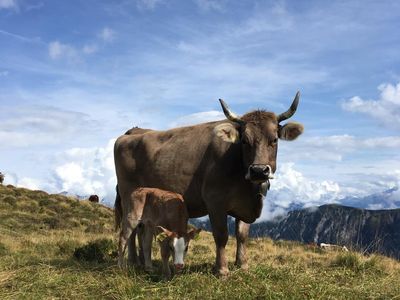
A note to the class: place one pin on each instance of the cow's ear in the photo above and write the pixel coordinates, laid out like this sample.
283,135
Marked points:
194,233
290,131
227,132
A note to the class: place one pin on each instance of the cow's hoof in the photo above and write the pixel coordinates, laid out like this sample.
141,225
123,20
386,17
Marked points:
167,277
242,266
149,269
222,272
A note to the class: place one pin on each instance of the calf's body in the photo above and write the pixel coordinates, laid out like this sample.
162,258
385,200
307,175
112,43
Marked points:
161,213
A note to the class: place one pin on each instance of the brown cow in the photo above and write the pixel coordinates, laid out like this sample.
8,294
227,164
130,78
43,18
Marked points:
221,168
164,213
1,178
94,198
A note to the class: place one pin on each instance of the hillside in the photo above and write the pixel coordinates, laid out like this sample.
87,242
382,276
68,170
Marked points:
359,229
39,233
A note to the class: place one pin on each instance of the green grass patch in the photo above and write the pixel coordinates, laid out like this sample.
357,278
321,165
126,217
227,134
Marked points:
55,247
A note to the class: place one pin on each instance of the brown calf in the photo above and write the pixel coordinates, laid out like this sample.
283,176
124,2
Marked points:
161,213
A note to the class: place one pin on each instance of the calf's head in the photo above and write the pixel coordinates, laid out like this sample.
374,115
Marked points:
177,244
258,132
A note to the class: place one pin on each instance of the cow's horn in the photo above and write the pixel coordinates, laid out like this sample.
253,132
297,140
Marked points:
290,112
228,114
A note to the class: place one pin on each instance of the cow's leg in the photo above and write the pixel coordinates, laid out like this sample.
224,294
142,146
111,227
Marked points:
242,233
220,232
147,243
127,228
131,214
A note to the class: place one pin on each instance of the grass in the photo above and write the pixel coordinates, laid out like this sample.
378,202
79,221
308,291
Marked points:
39,234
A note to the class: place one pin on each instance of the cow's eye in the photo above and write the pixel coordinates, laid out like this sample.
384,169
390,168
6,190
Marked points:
275,141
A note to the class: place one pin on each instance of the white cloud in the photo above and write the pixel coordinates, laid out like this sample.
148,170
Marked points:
335,147
90,49
197,118
107,34
86,171
20,37
59,50
386,109
207,5
291,189
8,4
40,125
274,19
79,171
147,4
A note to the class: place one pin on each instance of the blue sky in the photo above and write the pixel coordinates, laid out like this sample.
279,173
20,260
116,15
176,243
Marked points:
74,75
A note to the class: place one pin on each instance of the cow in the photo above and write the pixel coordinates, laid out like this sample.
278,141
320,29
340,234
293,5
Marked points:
1,178
94,198
164,214
221,168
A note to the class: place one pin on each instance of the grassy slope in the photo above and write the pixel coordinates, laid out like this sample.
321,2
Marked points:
39,232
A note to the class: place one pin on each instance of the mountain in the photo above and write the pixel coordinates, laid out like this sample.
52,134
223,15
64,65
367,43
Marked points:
359,229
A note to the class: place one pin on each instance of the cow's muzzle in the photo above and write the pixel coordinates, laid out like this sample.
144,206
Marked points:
259,173
179,267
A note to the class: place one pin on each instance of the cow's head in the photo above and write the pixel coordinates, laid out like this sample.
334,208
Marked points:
258,132
177,244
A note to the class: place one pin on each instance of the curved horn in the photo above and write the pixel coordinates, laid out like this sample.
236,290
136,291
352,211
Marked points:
228,114
290,112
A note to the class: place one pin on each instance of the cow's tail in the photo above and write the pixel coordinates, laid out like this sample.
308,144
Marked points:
117,210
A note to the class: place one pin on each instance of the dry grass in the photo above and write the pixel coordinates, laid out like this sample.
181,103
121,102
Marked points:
36,262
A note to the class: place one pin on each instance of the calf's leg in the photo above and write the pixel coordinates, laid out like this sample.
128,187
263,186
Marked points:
165,254
147,243
132,252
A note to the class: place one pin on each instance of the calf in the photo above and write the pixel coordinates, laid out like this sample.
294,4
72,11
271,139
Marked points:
164,214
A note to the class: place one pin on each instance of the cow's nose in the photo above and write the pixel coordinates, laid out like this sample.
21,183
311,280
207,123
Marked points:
179,266
259,172
260,169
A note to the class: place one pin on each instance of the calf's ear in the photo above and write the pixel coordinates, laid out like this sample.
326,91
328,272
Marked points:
161,237
194,233
290,131
165,233
227,132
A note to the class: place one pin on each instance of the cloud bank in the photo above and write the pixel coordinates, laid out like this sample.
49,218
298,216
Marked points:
386,110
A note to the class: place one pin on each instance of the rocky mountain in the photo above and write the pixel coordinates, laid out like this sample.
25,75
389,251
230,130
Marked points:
360,229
